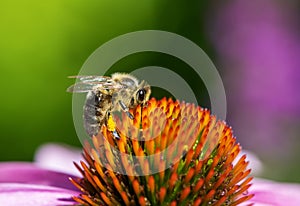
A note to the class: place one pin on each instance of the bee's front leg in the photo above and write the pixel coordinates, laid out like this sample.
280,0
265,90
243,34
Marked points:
116,134
125,109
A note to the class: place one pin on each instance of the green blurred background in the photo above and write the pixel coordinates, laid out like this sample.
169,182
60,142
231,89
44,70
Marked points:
44,42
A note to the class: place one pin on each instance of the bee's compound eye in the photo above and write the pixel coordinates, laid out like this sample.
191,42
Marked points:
141,94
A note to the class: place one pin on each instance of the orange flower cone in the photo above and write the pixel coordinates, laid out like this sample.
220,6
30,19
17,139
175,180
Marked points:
172,153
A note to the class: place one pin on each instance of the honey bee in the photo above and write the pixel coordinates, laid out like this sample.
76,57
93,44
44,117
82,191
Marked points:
105,95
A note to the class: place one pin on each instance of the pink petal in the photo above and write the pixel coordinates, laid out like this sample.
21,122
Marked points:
24,183
270,193
58,157
12,194
22,172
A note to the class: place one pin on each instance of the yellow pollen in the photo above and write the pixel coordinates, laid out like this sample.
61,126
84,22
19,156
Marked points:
111,125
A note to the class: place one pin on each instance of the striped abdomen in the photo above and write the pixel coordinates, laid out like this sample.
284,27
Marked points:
95,112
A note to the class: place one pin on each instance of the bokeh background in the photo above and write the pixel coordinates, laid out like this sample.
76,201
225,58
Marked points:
255,46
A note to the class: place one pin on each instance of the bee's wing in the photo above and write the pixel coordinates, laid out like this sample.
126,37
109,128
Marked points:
87,83
91,78
80,88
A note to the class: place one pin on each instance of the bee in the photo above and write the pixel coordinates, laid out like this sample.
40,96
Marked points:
106,95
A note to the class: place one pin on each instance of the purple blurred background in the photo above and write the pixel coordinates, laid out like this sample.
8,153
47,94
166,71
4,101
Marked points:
258,53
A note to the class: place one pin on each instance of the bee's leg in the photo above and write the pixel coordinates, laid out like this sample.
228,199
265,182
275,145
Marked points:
112,126
116,134
125,109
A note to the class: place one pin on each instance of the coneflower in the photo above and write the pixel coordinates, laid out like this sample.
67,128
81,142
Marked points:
172,153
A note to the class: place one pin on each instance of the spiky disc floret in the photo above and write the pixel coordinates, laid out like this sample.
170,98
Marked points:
171,154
